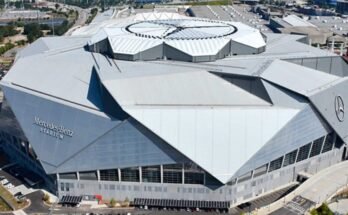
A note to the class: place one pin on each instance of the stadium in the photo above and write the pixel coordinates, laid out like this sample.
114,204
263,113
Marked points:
164,106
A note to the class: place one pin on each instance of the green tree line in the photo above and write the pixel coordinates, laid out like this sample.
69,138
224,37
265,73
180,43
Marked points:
7,31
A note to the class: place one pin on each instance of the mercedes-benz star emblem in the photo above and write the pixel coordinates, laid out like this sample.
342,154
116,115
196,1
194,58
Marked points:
179,29
339,108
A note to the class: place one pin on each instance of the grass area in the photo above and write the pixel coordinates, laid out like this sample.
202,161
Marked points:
4,206
94,12
6,62
5,47
322,210
113,203
10,199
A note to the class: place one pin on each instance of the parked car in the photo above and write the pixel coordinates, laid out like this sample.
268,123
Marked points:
9,186
18,194
4,181
21,198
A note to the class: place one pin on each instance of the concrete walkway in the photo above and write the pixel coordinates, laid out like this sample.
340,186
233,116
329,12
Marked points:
318,188
19,212
340,207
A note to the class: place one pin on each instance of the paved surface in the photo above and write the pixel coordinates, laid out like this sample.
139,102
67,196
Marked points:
19,212
317,188
263,200
37,206
340,207
236,13
82,18
134,212
10,178
21,188
296,206
338,25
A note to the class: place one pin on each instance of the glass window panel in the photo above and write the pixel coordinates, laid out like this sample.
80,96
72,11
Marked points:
329,142
88,175
304,152
290,158
194,177
260,170
316,147
68,175
109,175
151,174
172,173
67,187
275,164
193,174
232,182
130,174
245,177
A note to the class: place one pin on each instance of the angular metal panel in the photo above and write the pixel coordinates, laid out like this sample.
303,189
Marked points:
248,129
52,146
127,145
297,78
332,103
303,128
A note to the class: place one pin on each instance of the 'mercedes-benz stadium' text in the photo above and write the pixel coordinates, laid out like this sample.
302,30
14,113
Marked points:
51,129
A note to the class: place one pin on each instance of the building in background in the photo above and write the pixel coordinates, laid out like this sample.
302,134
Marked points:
342,7
163,106
293,24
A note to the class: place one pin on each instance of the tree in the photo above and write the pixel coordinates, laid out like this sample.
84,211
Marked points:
33,31
6,47
56,6
18,4
2,3
9,30
112,202
322,210
46,198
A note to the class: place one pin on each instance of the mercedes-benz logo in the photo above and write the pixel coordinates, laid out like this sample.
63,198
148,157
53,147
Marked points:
181,29
339,108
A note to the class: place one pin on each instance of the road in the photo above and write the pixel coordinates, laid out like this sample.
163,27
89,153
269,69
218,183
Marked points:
318,188
37,206
82,18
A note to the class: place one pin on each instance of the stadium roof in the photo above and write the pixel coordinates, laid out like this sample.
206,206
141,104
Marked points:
156,38
219,114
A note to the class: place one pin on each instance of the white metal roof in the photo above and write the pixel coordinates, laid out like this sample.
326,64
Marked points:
296,21
219,139
213,122
196,88
131,45
297,78
156,16
195,37
199,47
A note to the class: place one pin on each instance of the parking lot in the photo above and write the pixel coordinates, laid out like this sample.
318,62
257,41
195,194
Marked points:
20,182
235,13
16,180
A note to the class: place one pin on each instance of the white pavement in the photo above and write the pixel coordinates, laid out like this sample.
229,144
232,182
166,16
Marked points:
319,188
21,188
19,212
340,207
52,197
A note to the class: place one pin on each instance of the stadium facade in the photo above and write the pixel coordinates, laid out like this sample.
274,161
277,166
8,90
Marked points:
165,106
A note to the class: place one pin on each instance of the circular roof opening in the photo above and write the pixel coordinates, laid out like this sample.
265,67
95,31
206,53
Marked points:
187,39
183,29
